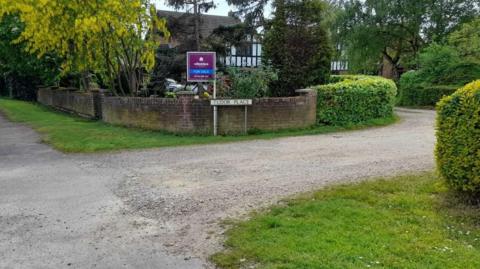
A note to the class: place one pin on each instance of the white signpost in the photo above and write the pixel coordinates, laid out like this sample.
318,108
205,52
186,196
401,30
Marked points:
232,102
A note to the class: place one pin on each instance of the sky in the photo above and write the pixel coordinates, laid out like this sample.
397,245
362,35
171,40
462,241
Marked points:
222,7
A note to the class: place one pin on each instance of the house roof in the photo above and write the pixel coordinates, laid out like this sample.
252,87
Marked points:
180,21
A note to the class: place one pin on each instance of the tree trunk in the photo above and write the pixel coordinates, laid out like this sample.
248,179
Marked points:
196,13
390,68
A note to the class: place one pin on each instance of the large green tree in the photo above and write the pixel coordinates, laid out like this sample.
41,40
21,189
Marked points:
198,7
388,35
111,38
297,44
467,40
21,72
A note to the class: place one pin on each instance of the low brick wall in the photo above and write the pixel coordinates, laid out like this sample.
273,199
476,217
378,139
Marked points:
71,100
181,115
188,115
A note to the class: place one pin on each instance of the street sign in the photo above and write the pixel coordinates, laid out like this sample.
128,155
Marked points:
201,66
231,102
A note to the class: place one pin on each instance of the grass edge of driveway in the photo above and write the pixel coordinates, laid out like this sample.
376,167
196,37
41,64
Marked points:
72,134
408,221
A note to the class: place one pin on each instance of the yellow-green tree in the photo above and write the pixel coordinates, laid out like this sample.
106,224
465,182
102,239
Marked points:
115,39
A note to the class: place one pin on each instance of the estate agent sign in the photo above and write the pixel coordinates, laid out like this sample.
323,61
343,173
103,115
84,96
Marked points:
201,66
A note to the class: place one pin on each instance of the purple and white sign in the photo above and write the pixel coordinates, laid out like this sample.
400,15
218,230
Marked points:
201,66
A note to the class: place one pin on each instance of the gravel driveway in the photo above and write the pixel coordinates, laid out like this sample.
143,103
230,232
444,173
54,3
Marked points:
162,208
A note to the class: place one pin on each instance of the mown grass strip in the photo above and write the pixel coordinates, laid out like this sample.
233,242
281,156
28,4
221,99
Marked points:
69,133
404,222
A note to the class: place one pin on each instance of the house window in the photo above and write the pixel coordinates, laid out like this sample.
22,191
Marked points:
244,49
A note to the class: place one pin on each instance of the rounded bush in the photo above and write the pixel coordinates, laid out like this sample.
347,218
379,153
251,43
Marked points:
355,99
458,138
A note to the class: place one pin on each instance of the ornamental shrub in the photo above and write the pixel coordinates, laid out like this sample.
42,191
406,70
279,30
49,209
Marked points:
355,99
458,139
249,83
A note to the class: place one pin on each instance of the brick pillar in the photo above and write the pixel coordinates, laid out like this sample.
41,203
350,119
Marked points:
97,95
311,101
185,123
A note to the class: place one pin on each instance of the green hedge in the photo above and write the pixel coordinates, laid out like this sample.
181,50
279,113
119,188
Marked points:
425,87
458,138
424,95
354,99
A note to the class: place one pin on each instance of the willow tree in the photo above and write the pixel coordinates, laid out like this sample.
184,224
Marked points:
390,34
112,38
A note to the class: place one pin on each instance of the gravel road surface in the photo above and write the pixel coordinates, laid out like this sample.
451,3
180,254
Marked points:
162,208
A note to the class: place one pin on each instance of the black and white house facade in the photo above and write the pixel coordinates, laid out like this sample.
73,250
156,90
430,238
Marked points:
246,54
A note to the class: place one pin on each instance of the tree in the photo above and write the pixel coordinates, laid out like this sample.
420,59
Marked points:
115,40
252,10
297,44
199,6
20,71
394,32
467,40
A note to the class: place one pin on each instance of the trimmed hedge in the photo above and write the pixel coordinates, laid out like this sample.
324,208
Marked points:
354,99
458,138
425,87
424,96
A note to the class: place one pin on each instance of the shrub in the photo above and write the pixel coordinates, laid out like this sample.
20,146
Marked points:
424,96
249,83
355,99
439,65
458,138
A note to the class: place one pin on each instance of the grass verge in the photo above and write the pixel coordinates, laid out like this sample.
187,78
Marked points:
404,222
73,134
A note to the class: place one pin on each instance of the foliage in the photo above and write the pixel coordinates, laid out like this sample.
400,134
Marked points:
252,10
199,7
227,36
435,61
72,134
22,72
355,99
401,222
418,95
168,64
105,37
467,40
297,44
394,32
170,95
441,72
458,135
249,83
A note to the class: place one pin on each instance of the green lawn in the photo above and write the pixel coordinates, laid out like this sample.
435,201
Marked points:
73,134
404,222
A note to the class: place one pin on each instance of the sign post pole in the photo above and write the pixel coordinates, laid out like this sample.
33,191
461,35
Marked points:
246,119
215,109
